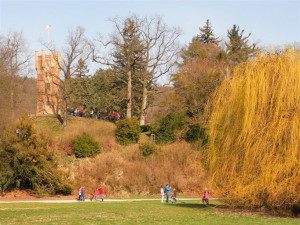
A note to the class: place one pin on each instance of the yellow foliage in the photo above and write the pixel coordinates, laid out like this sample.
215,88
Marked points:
254,147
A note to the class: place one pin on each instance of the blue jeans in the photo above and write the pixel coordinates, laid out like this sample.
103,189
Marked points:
168,197
102,197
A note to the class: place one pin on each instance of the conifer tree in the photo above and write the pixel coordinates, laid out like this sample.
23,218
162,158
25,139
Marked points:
238,47
128,61
82,90
206,34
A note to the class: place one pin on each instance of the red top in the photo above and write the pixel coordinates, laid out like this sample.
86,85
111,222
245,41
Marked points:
101,191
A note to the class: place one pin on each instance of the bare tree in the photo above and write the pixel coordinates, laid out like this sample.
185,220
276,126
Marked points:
14,67
76,47
161,50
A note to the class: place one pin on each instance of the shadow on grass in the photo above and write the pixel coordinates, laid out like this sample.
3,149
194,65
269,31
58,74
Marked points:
196,205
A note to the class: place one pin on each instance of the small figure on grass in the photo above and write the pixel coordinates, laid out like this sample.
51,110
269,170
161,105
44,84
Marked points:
174,196
168,192
79,194
162,193
82,194
205,197
101,192
95,195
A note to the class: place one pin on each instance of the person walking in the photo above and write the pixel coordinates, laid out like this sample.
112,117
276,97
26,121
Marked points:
162,193
205,197
83,194
101,192
174,195
79,194
95,196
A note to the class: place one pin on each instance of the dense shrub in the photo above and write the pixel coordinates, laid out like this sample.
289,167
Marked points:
196,133
28,163
148,148
145,128
85,146
254,133
165,133
128,131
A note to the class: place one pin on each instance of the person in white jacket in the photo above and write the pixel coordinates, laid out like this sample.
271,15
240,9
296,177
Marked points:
162,193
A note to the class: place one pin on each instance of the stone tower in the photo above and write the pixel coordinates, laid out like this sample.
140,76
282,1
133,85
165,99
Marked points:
47,67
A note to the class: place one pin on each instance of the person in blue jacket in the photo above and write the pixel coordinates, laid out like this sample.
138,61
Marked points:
168,192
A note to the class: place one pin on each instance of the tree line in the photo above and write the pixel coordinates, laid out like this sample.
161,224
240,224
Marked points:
131,60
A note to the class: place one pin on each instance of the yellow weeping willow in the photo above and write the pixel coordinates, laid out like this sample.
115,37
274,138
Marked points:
254,147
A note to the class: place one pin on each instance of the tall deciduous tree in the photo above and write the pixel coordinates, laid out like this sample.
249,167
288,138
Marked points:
161,50
14,67
238,48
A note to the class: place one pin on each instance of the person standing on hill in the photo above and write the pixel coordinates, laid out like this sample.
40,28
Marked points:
162,193
101,192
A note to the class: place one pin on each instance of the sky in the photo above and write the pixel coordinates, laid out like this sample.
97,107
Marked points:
272,23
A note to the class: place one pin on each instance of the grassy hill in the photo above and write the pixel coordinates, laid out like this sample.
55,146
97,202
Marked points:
122,170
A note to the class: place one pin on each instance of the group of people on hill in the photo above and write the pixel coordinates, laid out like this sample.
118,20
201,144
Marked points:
81,193
94,113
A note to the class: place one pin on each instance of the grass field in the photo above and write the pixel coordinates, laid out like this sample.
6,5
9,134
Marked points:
147,212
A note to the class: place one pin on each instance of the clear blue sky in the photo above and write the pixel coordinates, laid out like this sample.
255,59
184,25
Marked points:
270,22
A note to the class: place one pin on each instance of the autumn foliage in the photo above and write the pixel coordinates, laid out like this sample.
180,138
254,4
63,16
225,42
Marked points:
254,147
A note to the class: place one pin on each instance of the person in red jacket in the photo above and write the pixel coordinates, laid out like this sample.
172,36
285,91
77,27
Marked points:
101,192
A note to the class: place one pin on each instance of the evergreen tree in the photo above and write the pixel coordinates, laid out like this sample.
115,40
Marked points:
206,34
238,48
82,91
127,63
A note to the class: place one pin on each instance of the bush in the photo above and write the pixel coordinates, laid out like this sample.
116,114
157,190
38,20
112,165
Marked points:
147,149
85,146
196,133
29,162
128,131
165,133
145,128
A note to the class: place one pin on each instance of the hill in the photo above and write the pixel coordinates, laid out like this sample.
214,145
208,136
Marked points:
122,170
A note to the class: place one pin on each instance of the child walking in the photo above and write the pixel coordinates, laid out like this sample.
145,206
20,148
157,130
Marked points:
205,197
174,195
162,193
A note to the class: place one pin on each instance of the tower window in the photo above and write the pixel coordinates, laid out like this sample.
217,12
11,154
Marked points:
48,86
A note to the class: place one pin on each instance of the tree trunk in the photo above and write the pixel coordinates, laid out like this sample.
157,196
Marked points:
129,92
144,103
65,115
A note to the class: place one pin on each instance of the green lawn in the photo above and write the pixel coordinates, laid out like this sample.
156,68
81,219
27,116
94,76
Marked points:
146,212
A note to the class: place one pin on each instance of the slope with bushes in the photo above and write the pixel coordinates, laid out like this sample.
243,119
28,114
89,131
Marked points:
124,170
